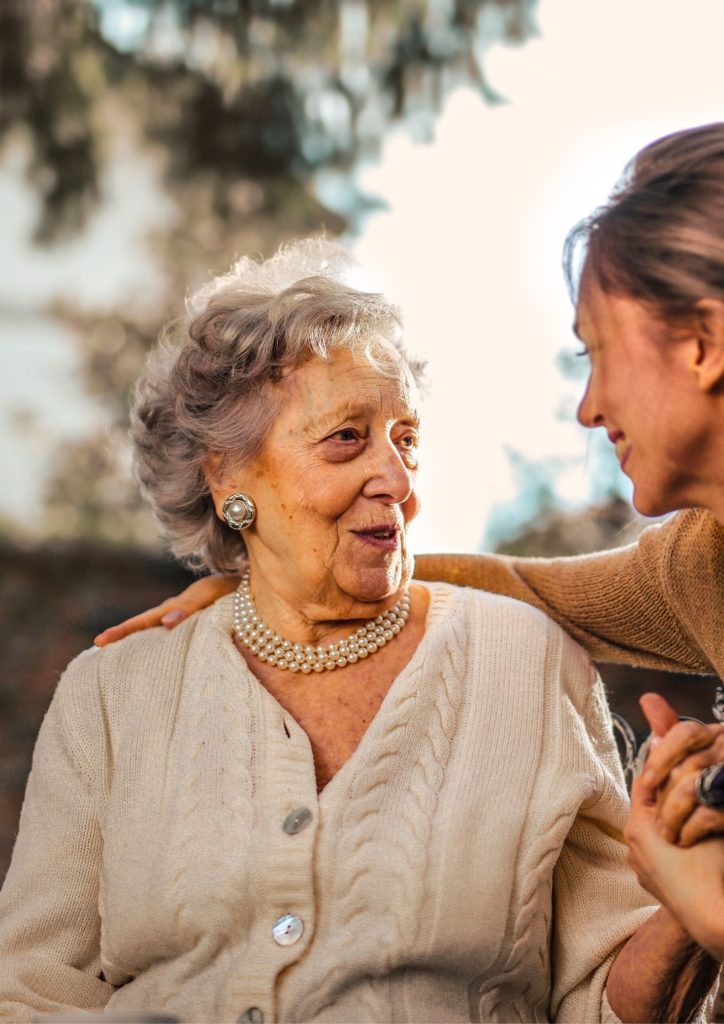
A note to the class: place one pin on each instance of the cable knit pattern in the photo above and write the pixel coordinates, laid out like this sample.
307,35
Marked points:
415,726
465,863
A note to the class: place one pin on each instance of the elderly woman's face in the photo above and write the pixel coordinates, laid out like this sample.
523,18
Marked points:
334,484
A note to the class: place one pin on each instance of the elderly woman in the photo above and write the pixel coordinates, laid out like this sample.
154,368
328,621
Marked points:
334,795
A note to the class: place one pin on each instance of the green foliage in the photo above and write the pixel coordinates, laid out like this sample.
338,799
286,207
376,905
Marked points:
258,89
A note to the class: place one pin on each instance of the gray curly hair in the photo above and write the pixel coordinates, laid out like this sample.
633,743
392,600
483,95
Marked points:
208,387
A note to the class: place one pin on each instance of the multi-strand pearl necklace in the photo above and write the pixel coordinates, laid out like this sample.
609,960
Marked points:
268,646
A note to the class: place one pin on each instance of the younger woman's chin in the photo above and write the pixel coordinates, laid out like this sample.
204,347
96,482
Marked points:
653,505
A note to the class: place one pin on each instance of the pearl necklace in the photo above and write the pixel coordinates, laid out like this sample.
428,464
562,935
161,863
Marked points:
268,646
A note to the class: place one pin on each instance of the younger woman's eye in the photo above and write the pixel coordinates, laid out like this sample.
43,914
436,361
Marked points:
582,352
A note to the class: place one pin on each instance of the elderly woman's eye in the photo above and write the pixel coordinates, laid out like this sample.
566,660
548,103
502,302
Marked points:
409,440
346,434
408,445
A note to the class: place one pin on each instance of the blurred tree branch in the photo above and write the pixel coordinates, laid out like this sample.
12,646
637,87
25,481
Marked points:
242,104
233,89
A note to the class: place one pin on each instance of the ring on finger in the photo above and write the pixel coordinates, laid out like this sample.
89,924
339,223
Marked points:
709,786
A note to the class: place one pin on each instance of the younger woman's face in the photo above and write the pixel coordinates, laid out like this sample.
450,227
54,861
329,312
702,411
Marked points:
644,391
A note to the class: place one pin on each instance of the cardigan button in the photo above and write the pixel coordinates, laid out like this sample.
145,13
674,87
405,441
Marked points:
296,820
287,930
252,1015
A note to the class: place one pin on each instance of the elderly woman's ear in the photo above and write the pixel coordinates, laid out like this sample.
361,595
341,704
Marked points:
233,505
215,478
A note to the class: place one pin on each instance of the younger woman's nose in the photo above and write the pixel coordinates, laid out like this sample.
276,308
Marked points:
587,413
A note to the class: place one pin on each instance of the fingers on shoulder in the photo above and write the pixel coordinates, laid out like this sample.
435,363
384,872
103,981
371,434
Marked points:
145,620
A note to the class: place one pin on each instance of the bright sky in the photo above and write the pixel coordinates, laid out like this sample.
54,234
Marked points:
470,244
472,239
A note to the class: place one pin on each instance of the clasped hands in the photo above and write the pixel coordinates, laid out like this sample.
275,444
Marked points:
676,846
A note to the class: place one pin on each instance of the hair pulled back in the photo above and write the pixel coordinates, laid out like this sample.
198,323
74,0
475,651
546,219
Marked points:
660,237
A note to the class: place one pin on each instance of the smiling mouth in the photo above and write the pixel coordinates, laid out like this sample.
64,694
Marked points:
623,450
380,536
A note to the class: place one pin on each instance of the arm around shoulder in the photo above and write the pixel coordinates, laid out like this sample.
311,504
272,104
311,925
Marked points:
628,605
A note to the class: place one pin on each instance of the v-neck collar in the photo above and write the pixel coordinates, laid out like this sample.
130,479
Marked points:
441,600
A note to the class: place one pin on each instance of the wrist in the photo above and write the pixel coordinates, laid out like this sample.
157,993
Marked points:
707,927
700,915
672,922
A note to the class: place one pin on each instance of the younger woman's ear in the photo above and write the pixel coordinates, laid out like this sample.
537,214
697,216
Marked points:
708,364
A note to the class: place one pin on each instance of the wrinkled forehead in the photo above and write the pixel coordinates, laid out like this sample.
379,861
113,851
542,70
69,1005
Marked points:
387,362
367,379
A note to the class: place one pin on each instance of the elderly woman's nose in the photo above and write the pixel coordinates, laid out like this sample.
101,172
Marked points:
388,476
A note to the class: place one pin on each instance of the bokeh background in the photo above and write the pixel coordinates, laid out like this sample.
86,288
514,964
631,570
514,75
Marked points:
451,143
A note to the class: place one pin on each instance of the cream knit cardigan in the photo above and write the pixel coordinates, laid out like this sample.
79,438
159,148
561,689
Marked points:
464,865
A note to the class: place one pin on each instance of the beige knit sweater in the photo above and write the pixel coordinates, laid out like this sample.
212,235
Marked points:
464,865
658,603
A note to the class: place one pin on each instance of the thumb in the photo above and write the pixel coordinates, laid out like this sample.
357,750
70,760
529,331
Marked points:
643,801
659,713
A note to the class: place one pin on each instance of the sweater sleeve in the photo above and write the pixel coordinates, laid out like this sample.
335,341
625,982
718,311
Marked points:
598,902
630,605
49,919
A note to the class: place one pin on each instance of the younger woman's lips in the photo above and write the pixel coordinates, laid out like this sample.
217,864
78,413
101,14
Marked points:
623,450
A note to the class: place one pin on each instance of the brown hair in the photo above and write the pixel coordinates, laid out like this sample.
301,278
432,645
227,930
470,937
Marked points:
660,237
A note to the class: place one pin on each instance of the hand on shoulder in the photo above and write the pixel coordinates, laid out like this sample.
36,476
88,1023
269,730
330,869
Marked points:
174,610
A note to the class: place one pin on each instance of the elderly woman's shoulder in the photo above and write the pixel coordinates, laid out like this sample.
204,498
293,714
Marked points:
143,662
525,647
486,603
506,617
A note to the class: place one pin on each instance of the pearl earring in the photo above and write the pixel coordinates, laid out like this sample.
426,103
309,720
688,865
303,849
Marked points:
239,511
